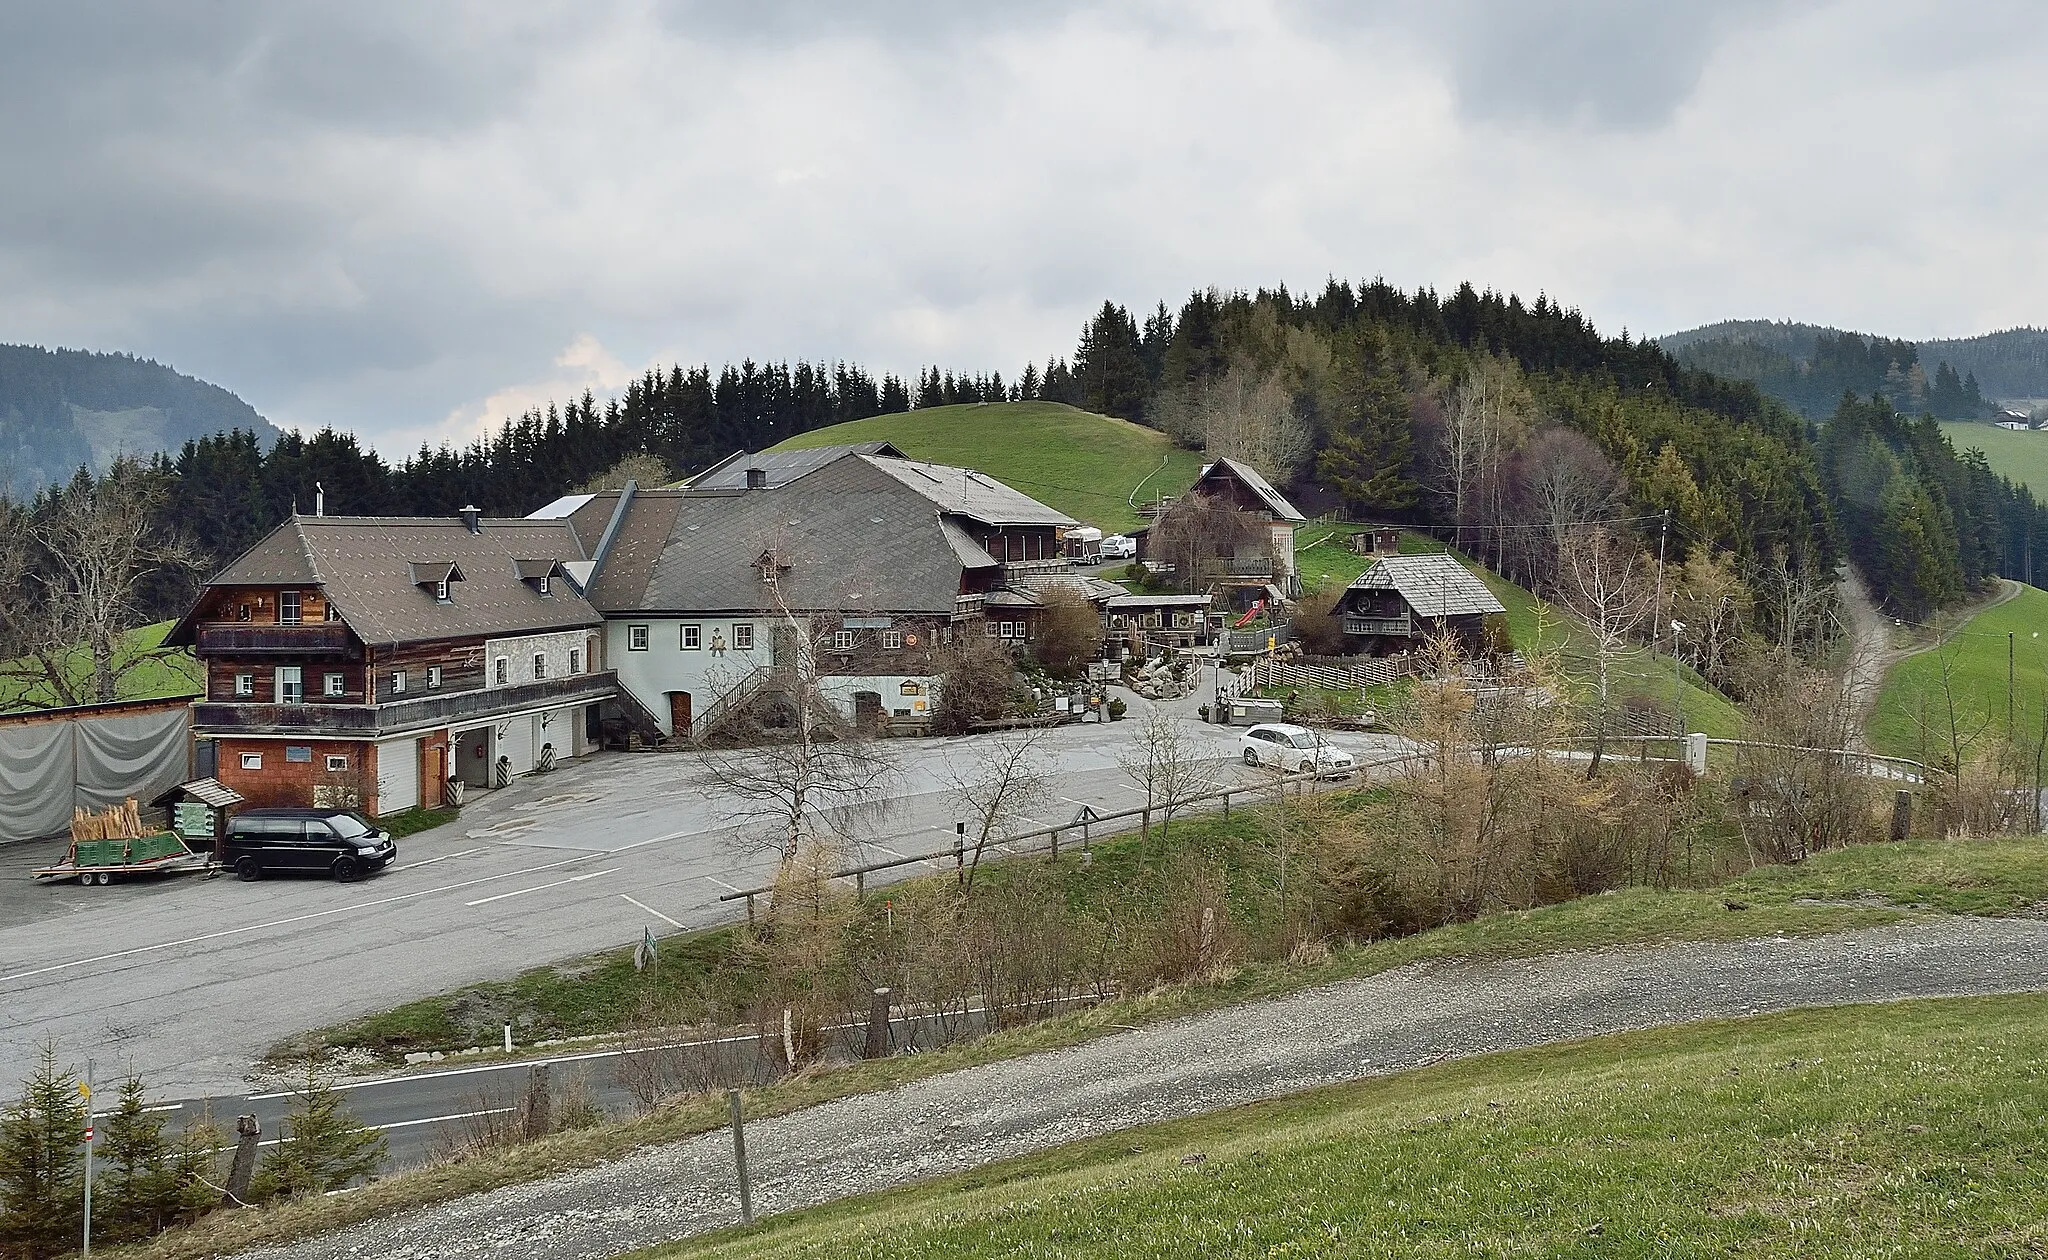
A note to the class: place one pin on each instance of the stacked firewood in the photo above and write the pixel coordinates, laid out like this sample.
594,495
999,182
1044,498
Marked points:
117,822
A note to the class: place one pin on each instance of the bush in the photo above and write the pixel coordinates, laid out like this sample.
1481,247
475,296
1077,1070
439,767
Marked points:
974,684
1117,709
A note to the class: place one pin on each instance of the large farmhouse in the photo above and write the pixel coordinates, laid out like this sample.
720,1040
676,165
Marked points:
882,560
1401,600
365,661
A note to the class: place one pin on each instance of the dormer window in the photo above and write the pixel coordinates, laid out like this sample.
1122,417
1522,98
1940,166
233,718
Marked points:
441,591
538,574
436,576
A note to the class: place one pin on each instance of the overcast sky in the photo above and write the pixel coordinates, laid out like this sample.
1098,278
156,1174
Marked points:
411,219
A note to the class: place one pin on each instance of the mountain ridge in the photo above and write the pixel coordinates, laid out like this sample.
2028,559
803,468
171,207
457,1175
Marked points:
63,408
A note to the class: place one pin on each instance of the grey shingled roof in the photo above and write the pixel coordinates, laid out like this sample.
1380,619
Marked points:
370,567
1434,586
782,467
1258,485
849,537
976,496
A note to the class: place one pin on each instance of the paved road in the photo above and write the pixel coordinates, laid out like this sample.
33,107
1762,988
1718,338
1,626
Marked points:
1388,1023
189,980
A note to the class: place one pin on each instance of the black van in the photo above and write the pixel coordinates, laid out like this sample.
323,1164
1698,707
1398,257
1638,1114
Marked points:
337,842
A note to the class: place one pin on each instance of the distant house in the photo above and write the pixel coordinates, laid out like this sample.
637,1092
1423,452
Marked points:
2015,426
365,661
1260,558
1400,601
1143,624
884,560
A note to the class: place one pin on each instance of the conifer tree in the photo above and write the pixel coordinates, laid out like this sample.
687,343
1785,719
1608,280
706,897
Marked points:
42,1163
1368,455
324,1147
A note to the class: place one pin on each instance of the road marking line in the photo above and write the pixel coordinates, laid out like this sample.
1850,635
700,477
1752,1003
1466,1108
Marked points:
444,857
656,913
722,884
521,892
885,848
287,922
462,1115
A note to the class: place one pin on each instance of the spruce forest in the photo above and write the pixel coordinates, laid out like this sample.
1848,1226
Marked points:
1477,414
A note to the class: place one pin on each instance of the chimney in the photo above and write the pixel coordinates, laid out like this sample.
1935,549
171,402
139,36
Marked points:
757,479
473,519
319,499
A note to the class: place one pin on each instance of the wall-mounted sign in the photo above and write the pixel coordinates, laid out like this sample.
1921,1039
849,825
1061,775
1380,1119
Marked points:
911,689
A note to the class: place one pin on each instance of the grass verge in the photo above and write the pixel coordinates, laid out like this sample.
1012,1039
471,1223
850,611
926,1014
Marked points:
1992,877
1902,1129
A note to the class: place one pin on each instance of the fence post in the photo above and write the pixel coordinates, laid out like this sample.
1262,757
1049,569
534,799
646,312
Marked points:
248,1130
1226,804
739,1155
1055,843
1902,814
960,852
539,1103
877,1043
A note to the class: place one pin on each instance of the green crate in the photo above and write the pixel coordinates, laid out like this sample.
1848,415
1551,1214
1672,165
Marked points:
126,852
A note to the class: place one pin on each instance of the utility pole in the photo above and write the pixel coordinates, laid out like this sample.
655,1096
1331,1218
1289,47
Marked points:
2008,685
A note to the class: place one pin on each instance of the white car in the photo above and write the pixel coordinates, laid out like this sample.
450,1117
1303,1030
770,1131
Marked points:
1119,547
1293,749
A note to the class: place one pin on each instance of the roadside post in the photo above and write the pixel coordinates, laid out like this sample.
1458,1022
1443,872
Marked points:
877,1043
960,851
248,1131
85,1089
739,1155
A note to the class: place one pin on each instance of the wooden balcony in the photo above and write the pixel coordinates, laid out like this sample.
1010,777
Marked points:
374,721
320,638
1402,625
966,607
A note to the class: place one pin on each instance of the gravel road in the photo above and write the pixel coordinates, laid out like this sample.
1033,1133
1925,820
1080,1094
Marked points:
1401,1019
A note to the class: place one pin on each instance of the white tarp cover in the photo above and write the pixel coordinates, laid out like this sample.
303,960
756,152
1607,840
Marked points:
48,768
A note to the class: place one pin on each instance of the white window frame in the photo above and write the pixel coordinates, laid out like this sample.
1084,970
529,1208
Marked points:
892,639
544,581
636,638
540,666
337,762
245,684
333,685
295,618
397,682
252,761
433,677
441,591
842,640
743,636
501,671
297,679
691,637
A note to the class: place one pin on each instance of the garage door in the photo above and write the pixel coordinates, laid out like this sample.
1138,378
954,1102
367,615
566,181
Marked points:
398,775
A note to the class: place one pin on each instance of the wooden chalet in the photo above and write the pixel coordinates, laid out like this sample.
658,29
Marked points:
1399,601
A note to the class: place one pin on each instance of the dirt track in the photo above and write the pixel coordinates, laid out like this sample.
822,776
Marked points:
1416,1015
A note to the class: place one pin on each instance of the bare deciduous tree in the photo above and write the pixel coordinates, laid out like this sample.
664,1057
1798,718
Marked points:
997,785
72,579
1163,764
1203,538
1070,632
1565,480
1605,583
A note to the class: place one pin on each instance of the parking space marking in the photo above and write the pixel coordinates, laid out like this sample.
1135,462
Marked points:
651,910
353,908
444,857
722,884
521,892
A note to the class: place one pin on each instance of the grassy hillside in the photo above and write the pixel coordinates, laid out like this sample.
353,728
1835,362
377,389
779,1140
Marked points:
1911,717
1904,1129
2020,456
176,675
1083,464
1325,557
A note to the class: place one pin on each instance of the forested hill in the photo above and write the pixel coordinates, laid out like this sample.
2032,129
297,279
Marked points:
60,409
1809,366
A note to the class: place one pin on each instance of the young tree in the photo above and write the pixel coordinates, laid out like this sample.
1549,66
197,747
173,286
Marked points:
42,1163
138,1192
1162,762
1606,584
1070,632
975,678
323,1147
999,784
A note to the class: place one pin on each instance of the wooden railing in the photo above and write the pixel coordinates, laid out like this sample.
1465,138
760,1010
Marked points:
370,721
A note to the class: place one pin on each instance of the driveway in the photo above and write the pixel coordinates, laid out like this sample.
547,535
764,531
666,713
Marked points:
1404,1018
189,980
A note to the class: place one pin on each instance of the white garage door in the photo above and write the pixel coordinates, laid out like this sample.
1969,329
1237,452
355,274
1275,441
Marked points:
516,741
398,775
